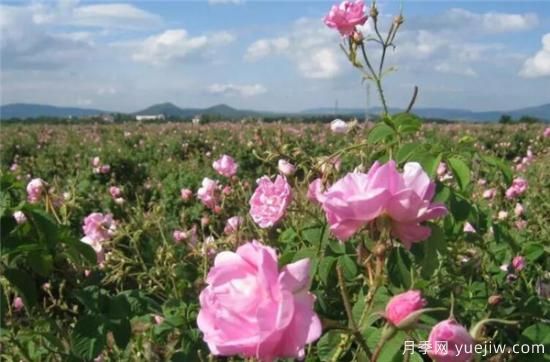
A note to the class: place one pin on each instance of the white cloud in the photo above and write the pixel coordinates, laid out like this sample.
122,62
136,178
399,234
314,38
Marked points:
457,69
244,90
113,16
311,46
175,45
539,64
491,22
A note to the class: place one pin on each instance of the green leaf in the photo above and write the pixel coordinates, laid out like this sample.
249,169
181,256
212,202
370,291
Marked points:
461,172
41,262
407,123
24,284
329,347
326,268
348,266
379,133
88,337
428,161
399,265
432,246
122,331
501,165
118,307
44,222
405,152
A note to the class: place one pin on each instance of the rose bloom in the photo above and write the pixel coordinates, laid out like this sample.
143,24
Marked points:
105,169
519,210
225,166
186,194
96,161
502,215
20,217
346,17
521,224
252,309
179,236
546,132
457,338
233,224
270,200
315,191
286,168
98,228
489,193
519,186
209,193
115,191
17,304
359,198
441,169
35,189
338,126
518,262
402,305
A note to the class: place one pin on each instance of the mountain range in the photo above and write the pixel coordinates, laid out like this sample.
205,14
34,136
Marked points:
25,110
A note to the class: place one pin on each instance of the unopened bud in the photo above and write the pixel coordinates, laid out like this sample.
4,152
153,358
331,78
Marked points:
495,299
398,20
373,12
357,37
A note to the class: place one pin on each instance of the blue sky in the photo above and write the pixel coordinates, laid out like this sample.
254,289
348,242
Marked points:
269,55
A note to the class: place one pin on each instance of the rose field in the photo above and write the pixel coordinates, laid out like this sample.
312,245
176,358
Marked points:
396,239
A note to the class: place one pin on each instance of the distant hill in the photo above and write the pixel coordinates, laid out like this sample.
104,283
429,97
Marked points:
22,110
541,112
27,110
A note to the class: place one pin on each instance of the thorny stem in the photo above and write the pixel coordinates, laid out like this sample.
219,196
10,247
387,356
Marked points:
345,298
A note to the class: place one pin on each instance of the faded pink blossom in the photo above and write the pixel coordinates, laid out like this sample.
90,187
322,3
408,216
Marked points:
459,342
489,193
519,210
20,217
346,16
252,309
227,190
233,224
520,224
270,199
96,161
338,126
441,169
546,132
186,194
518,263
468,228
286,168
209,192
179,236
115,191
401,306
502,215
35,190
225,166
358,198
158,319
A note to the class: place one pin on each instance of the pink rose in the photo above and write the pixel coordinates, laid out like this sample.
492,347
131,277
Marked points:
502,215
441,169
105,169
459,342
252,309
270,200
359,198
346,17
96,161
315,191
402,305
518,262
521,224
97,229
233,224
209,193
115,192
225,166
186,194
17,304
158,319
35,189
179,236
519,186
519,210
546,132
286,168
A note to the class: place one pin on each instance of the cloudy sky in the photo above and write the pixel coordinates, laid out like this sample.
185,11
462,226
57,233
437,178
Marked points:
269,55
